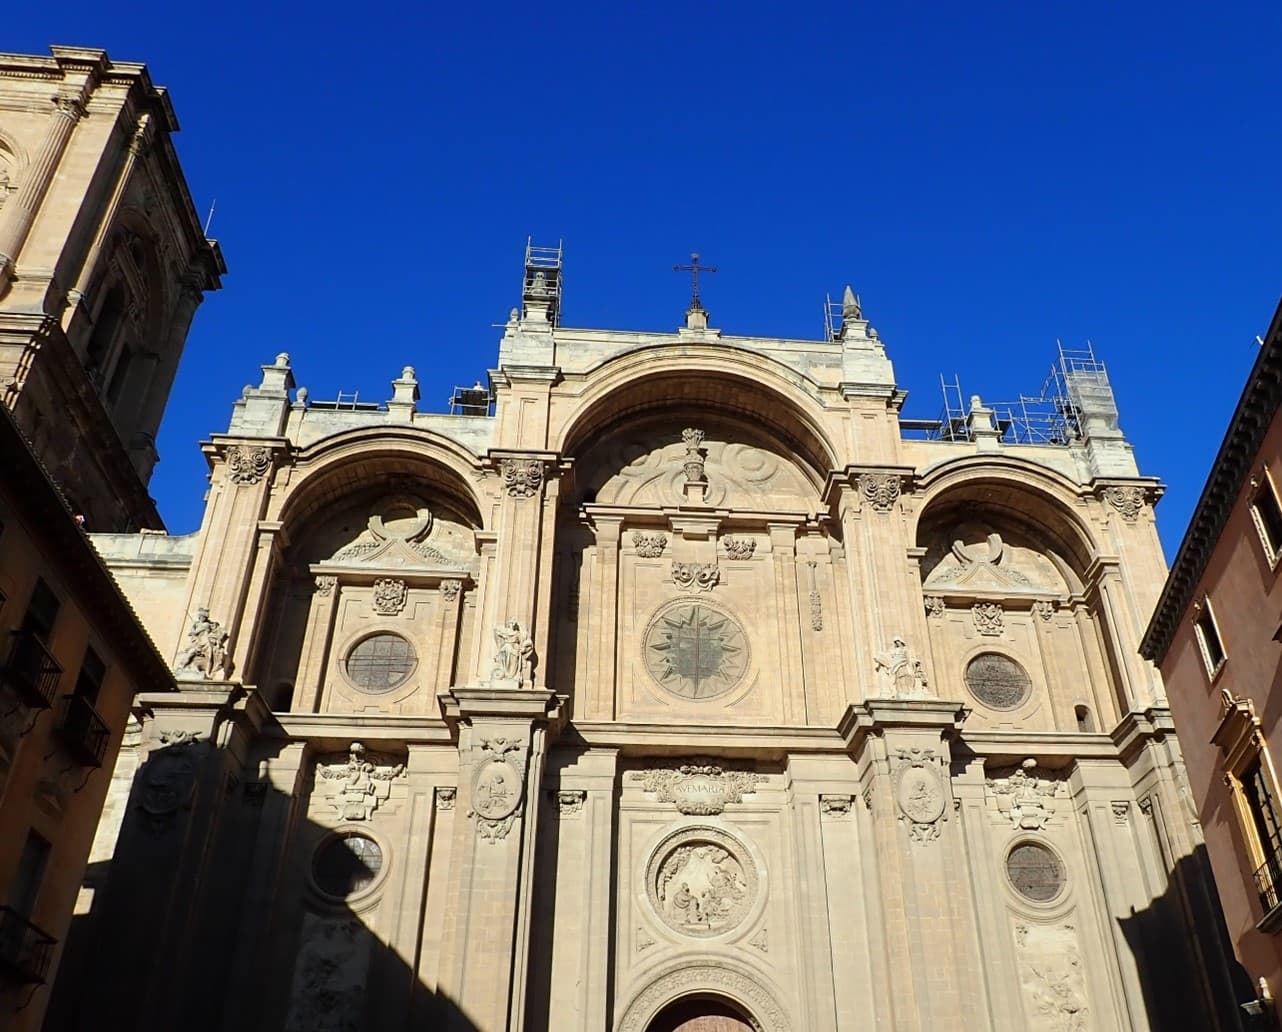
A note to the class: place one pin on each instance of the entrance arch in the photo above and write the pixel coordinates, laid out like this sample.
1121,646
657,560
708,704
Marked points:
701,1014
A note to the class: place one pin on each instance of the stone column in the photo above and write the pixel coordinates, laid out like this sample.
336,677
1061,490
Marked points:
20,211
503,735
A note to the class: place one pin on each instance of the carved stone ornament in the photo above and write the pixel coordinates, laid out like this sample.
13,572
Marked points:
498,787
247,465
649,546
815,599
694,461
900,673
701,882
935,607
1044,609
325,585
390,596
701,787
513,655
739,548
880,490
990,618
695,650
695,576
1024,796
522,478
168,783
355,787
445,797
835,805
644,940
570,802
761,940
1128,501
450,589
330,977
1052,978
206,651
717,977
1121,811
919,793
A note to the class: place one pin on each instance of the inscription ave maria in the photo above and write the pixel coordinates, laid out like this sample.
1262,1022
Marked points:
701,789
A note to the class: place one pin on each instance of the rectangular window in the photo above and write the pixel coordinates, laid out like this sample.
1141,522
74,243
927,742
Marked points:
42,611
1267,514
31,872
1208,638
89,681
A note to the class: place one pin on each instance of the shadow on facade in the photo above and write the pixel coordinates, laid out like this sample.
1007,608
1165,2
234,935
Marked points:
1179,974
200,921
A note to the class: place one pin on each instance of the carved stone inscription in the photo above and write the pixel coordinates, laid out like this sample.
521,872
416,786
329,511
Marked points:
702,787
701,882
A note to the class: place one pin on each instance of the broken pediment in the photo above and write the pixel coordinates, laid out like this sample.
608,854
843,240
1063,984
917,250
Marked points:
397,544
979,561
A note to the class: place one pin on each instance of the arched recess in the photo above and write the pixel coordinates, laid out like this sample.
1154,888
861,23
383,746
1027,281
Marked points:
1010,583
378,538
744,989
716,379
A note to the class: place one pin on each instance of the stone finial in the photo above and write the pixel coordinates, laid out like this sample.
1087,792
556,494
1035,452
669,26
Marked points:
851,308
405,395
981,422
282,360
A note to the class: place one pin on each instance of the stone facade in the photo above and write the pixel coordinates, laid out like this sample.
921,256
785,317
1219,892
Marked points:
102,266
686,676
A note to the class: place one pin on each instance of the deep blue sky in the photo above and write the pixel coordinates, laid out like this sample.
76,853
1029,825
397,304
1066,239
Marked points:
991,177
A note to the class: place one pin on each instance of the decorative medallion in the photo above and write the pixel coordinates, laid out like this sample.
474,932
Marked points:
701,882
649,546
390,596
1025,795
247,465
695,576
702,787
919,793
497,788
522,478
695,651
168,785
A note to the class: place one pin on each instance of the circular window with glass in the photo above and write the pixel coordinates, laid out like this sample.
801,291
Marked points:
998,681
380,663
346,864
1035,872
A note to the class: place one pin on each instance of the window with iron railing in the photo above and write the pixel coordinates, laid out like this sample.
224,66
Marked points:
25,950
30,670
1257,790
82,732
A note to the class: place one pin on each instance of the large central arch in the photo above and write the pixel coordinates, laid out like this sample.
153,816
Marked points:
734,984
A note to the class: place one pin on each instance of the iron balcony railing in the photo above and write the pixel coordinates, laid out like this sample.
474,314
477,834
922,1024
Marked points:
1268,879
25,951
82,732
31,671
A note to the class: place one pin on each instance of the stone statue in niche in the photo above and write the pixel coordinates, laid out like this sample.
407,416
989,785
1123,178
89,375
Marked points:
900,673
513,655
206,651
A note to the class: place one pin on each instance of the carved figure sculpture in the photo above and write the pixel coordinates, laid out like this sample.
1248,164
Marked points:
513,655
901,672
206,651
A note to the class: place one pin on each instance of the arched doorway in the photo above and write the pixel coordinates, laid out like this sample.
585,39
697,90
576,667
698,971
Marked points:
700,1014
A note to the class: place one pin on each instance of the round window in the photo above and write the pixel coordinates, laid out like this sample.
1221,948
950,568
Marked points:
380,662
1035,872
998,681
346,864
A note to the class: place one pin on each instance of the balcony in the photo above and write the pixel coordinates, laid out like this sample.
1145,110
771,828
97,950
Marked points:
25,951
1268,883
81,731
31,671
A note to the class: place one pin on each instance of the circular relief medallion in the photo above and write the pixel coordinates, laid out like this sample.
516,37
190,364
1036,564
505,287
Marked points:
496,791
998,681
920,795
1035,872
695,651
701,882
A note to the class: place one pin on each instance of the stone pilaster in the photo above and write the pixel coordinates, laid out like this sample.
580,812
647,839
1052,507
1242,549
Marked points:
503,735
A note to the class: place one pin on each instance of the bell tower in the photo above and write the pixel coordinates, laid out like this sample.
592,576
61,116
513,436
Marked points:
102,266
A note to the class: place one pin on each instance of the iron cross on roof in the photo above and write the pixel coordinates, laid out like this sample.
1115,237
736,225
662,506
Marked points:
694,268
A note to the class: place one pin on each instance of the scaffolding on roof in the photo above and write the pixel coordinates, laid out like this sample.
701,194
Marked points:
1048,417
541,285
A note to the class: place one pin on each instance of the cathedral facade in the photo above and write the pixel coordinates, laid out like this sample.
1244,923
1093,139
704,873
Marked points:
685,688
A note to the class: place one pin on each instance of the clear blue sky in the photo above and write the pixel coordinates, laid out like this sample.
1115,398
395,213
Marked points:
990,177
